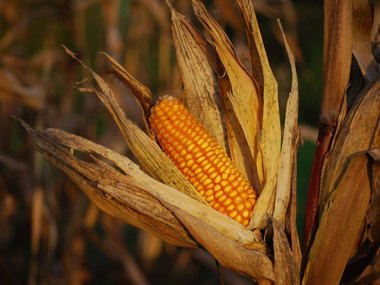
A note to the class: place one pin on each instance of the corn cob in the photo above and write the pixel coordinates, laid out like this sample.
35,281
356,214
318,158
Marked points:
202,160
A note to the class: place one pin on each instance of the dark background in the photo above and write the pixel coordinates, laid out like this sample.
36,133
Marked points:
50,233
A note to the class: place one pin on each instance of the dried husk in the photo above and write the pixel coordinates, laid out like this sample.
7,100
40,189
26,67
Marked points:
362,45
244,97
286,268
139,90
270,140
289,144
149,154
201,91
136,198
373,209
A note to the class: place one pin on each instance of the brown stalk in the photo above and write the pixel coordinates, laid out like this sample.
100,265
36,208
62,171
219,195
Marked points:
336,71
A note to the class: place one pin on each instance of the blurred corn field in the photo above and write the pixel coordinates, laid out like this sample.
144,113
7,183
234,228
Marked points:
49,231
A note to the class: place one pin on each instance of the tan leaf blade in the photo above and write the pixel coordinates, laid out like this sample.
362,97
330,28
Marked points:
120,195
148,153
228,252
140,91
201,94
285,267
270,141
341,221
133,196
245,99
373,210
362,45
289,144
359,133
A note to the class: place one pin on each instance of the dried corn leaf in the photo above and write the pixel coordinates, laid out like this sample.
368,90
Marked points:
228,252
148,153
289,144
357,134
270,141
201,95
362,46
245,99
286,269
133,196
119,195
140,91
373,210
341,221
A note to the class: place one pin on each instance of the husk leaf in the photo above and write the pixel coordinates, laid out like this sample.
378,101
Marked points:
119,195
228,252
270,140
134,196
286,270
201,91
289,144
148,153
245,99
139,90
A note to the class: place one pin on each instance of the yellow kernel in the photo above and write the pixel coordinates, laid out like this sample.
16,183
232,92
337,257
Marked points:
227,188
209,192
210,170
213,175
217,187
218,179
207,166
245,213
210,198
190,162
239,207
230,207
190,147
203,178
233,214
227,202
202,158
222,198
207,181
233,193
218,194
204,145
224,183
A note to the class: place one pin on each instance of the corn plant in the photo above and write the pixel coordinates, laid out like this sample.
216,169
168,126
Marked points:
214,170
